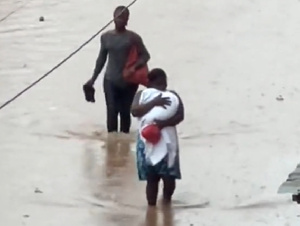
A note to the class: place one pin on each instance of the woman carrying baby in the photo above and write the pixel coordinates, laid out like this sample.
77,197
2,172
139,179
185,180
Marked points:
165,169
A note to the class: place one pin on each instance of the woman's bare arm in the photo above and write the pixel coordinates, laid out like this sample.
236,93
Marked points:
177,118
139,110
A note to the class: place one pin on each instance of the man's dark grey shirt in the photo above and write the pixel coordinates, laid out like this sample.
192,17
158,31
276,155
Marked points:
117,46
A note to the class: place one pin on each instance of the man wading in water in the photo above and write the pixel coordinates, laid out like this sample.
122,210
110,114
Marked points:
119,94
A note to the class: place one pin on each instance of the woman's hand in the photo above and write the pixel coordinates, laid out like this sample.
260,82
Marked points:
176,119
139,110
160,101
160,123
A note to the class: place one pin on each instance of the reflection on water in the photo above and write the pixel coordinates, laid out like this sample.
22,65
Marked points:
109,166
168,217
152,216
117,156
110,170
112,174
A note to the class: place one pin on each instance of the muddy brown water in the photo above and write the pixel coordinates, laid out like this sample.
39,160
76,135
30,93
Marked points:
57,164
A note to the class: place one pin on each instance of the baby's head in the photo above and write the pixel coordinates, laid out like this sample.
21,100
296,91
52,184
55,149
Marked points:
157,79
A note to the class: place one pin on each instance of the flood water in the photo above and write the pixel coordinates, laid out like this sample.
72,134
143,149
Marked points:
228,60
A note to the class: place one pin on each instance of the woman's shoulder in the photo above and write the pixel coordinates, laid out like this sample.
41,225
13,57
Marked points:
176,94
173,91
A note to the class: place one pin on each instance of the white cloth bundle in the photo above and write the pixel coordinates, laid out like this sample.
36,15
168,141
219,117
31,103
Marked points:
168,142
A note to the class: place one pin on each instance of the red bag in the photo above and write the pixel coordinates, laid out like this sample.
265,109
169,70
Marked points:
140,76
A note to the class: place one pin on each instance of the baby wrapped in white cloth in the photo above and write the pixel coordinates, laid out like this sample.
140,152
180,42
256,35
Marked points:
168,142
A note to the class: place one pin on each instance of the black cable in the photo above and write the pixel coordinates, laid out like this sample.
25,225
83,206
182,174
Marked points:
12,12
64,60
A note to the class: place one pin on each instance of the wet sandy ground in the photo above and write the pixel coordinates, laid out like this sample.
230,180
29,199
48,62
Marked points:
229,61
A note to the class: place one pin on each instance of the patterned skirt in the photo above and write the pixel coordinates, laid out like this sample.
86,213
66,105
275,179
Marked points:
160,168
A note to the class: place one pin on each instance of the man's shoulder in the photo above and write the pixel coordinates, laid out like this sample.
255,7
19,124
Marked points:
112,32
107,33
134,34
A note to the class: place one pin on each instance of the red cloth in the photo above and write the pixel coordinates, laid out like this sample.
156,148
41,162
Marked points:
140,76
151,133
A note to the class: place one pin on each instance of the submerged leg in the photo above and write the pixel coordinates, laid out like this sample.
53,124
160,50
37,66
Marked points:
126,99
169,187
152,188
111,106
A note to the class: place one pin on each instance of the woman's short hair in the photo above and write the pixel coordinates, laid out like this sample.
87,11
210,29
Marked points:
156,73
